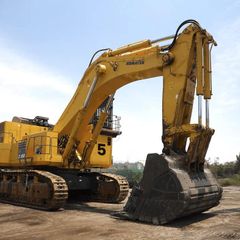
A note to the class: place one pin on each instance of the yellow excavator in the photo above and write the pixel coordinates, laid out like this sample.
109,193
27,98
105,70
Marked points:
41,164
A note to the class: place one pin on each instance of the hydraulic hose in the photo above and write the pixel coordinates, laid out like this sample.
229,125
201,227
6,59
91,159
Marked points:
100,50
176,34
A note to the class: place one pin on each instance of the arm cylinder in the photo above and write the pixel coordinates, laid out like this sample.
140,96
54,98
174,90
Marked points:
130,47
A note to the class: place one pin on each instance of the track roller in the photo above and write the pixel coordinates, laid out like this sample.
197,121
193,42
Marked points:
33,188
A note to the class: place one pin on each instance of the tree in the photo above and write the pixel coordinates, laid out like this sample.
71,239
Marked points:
237,164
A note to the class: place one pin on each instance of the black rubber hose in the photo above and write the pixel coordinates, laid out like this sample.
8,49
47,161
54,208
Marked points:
176,34
164,49
100,50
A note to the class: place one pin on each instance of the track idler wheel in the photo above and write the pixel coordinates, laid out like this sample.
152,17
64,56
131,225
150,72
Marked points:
168,190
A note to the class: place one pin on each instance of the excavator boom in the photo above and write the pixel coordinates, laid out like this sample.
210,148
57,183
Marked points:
181,64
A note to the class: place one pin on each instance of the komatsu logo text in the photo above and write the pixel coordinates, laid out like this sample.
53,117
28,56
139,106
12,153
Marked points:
135,62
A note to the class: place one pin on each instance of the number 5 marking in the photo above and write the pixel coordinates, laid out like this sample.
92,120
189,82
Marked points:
101,149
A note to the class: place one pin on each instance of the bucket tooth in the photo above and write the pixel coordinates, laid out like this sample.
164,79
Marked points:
168,191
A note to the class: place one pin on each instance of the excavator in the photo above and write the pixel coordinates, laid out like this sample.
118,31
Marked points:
41,164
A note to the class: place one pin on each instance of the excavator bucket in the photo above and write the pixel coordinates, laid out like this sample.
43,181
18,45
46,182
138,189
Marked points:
168,190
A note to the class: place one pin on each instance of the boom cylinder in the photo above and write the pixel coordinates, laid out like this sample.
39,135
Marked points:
89,94
99,69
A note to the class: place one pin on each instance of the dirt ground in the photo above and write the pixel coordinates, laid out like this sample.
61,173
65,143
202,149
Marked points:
94,221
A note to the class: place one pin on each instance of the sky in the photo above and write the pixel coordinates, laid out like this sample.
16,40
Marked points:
45,47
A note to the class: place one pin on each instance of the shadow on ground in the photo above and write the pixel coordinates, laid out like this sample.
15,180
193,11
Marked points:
178,223
85,207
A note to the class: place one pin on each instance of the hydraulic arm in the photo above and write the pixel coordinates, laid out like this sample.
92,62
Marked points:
177,182
184,65
60,159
